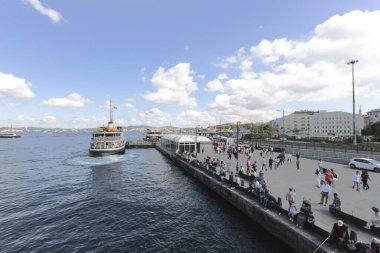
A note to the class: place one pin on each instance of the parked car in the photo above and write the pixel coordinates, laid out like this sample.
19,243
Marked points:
278,149
365,164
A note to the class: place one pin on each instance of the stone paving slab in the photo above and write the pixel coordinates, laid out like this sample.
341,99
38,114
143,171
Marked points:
357,203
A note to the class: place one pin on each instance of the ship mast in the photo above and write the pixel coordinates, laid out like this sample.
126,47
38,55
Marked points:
111,113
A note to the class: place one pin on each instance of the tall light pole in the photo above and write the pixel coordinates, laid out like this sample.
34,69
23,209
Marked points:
237,146
283,122
196,139
352,62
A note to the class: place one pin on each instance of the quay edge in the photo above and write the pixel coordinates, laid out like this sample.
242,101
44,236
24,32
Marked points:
302,241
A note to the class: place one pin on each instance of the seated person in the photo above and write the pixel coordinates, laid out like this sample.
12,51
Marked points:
250,188
336,202
258,186
300,219
231,178
310,220
292,211
339,235
375,245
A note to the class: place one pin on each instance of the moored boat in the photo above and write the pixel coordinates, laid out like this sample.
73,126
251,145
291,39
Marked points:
108,140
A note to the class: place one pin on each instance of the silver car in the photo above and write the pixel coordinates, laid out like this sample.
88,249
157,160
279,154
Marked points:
365,164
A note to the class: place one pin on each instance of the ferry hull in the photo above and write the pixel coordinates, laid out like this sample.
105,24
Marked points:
10,136
104,152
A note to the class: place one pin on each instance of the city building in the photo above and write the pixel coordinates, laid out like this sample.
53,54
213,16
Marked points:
373,116
319,124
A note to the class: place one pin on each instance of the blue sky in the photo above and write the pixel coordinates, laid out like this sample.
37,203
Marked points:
183,62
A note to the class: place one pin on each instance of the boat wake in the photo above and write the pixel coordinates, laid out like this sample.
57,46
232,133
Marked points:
97,160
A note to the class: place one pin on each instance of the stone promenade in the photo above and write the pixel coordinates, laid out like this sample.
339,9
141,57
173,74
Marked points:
357,203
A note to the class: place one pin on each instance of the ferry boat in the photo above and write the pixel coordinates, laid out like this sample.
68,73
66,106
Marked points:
108,140
152,135
9,135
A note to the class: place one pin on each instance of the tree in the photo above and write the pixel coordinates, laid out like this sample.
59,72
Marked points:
372,129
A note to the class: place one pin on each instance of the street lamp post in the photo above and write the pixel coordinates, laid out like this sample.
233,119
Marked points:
196,140
352,62
237,146
283,122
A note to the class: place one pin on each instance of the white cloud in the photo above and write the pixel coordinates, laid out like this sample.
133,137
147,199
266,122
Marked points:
127,105
312,70
54,15
192,118
214,85
154,117
15,87
202,77
222,76
49,119
154,112
174,86
45,118
72,100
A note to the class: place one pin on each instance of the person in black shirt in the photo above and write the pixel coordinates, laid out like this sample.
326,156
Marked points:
339,235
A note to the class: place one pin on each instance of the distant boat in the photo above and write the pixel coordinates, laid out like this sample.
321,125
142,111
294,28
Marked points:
108,140
9,135
152,135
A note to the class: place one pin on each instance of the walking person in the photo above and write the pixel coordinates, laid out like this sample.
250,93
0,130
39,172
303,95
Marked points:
356,178
298,164
318,177
264,164
270,162
334,178
365,178
325,193
328,177
320,165
290,196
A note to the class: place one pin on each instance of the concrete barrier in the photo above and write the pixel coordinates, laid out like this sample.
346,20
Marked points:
278,225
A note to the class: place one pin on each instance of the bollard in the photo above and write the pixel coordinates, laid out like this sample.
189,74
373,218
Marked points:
353,236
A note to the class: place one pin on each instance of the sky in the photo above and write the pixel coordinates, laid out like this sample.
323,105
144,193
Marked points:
184,63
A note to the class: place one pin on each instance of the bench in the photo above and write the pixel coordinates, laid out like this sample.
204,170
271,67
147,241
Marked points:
348,217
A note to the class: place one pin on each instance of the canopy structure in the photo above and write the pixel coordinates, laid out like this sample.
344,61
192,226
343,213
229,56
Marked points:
180,143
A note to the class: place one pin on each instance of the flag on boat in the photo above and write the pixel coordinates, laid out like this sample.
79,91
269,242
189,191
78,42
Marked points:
114,107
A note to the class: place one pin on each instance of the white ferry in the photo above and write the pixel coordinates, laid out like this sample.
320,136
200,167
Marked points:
9,135
152,135
108,140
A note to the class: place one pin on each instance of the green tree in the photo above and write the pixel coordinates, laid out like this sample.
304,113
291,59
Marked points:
372,129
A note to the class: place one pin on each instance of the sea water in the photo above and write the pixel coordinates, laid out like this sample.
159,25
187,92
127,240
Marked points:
57,198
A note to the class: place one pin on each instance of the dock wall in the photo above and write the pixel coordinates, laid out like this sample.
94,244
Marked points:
303,241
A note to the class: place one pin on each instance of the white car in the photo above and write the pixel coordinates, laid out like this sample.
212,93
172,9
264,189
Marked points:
365,163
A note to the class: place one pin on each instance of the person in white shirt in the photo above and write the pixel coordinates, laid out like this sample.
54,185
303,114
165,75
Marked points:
264,165
258,186
238,181
320,165
325,193
356,178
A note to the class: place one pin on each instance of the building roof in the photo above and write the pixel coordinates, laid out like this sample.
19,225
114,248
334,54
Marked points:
374,110
184,138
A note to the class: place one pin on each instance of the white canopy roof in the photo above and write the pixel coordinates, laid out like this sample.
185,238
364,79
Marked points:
182,138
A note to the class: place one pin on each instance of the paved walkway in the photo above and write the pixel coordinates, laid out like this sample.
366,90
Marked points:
357,203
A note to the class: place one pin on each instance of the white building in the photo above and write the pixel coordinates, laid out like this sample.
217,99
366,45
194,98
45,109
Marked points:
373,116
320,124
